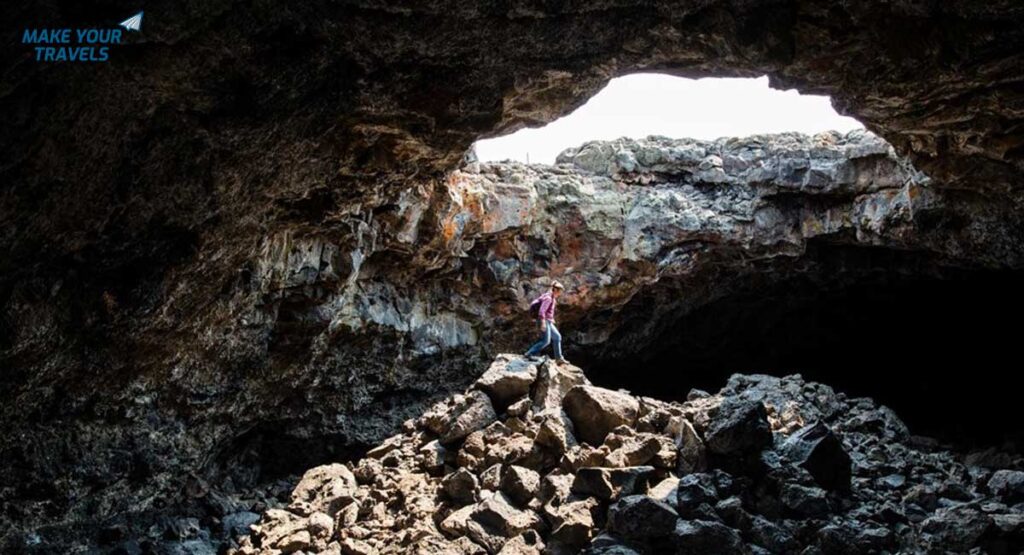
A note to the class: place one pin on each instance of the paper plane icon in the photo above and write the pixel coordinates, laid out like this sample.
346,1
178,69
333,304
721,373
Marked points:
133,23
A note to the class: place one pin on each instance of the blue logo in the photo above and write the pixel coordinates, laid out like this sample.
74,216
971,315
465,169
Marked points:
78,45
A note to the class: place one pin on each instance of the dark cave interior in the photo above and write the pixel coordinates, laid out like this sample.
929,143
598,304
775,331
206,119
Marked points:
937,349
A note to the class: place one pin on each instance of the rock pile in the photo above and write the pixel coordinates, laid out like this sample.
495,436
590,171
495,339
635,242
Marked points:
533,458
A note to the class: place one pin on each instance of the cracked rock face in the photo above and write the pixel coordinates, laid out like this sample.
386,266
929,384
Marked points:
323,342
503,490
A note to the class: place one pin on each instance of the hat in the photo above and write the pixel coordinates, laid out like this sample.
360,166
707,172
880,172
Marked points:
557,285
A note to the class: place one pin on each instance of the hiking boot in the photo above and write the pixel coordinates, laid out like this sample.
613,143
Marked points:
562,361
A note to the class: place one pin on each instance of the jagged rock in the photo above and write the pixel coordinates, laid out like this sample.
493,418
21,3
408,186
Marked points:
475,413
1008,484
460,486
491,496
692,454
500,515
665,491
739,426
701,536
640,449
321,525
611,483
325,488
433,456
507,379
639,517
295,542
527,543
816,449
595,411
572,522
352,546
455,523
695,493
805,501
556,432
553,382
520,407
520,484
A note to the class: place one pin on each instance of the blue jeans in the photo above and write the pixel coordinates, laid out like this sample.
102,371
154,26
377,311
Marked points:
551,335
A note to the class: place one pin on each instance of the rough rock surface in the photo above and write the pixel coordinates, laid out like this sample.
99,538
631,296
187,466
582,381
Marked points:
763,498
321,340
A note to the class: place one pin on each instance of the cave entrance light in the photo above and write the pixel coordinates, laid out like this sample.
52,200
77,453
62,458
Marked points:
644,104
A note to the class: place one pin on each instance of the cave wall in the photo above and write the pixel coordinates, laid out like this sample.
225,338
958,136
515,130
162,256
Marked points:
177,222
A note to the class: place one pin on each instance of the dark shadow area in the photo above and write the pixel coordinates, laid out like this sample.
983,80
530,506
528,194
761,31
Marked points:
943,353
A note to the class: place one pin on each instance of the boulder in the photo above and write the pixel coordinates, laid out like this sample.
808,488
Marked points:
572,523
695,496
705,537
665,490
455,523
1008,484
325,488
816,449
527,543
553,382
508,378
520,484
556,432
460,486
596,411
692,456
294,542
499,514
611,483
475,413
805,501
640,517
321,525
740,426
642,449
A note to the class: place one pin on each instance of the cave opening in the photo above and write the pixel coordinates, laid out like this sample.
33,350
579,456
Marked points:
639,105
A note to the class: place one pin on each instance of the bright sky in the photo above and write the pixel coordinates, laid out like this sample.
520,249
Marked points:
645,104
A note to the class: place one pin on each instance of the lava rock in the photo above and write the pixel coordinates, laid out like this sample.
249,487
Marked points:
460,486
553,382
521,484
816,449
596,411
610,483
325,488
475,414
705,537
805,501
1008,484
508,378
639,517
739,426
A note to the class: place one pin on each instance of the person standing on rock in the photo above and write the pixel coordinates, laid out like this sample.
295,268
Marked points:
545,310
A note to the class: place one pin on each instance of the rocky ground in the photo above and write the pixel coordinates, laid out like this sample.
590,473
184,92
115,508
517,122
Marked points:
533,458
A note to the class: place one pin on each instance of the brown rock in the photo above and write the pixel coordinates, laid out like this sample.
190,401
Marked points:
325,488
508,378
553,382
520,484
610,483
460,486
596,411
475,414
